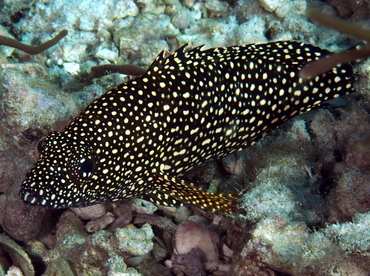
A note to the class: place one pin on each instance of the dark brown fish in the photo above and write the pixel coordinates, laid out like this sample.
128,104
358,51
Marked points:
138,139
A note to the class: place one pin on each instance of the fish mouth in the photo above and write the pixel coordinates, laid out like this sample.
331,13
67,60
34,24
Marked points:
32,197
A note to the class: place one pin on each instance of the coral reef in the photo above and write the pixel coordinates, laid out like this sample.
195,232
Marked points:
305,187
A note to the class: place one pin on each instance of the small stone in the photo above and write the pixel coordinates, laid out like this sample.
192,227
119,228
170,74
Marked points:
152,7
270,5
17,256
14,271
99,223
116,267
133,240
72,67
90,212
142,206
73,52
58,267
124,9
192,235
107,54
70,226
218,8
281,8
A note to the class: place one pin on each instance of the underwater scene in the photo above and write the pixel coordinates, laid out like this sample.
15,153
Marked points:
184,137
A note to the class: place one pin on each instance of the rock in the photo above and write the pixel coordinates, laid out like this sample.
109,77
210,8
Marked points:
90,212
99,223
20,262
133,240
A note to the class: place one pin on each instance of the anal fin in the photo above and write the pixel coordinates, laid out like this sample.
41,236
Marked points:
176,192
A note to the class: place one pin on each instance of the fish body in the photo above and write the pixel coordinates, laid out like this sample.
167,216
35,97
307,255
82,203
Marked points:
188,108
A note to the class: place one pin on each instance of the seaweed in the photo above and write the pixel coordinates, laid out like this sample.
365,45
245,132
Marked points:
106,69
324,64
32,50
95,71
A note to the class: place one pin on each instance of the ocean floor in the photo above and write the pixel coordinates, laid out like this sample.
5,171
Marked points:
306,186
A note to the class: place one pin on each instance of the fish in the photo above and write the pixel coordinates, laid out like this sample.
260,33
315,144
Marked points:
140,138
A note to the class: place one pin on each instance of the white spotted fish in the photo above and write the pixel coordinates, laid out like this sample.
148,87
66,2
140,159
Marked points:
138,139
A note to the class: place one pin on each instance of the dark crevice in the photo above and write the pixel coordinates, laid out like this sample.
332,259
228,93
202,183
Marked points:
328,182
337,156
33,134
16,17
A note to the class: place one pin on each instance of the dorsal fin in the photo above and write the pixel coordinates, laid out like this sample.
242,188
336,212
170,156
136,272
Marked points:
162,56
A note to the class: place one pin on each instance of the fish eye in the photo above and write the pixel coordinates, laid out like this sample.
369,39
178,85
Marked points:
87,166
40,145
81,169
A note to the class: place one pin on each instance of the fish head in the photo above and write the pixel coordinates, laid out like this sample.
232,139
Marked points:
65,175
